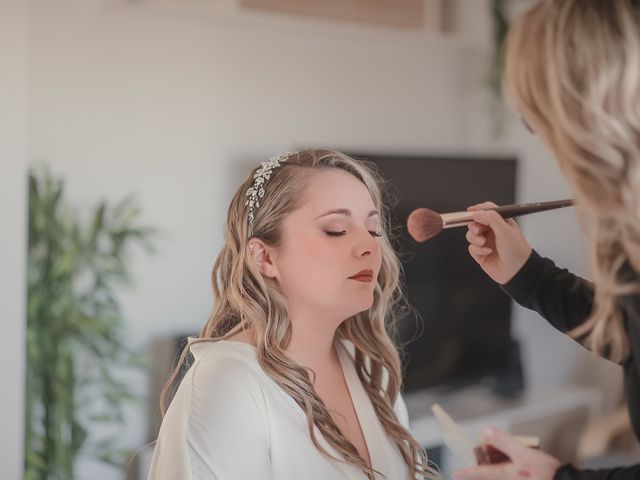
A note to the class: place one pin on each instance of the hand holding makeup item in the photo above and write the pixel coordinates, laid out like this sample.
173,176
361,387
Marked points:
496,244
424,224
499,456
487,454
518,462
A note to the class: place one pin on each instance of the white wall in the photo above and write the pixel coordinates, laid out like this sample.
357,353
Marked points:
13,192
175,105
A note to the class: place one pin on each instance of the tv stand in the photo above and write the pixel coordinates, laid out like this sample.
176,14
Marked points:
542,413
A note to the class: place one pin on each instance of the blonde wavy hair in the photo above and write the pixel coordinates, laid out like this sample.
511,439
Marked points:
244,299
573,71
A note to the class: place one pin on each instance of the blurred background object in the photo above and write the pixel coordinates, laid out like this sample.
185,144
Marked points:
609,441
75,337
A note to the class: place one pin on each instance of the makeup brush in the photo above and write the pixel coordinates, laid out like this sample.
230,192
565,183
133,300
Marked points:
454,437
465,449
424,224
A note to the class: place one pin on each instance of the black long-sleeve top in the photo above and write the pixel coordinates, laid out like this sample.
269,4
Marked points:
565,301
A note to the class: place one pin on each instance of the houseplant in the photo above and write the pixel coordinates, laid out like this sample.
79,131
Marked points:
74,326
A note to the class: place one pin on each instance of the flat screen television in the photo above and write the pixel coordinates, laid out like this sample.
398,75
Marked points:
460,329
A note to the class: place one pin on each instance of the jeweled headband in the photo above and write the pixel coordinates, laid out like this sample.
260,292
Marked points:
256,191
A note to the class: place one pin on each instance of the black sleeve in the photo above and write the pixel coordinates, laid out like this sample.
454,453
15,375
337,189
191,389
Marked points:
569,472
562,298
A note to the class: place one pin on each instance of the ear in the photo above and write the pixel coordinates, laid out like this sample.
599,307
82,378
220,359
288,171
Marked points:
262,255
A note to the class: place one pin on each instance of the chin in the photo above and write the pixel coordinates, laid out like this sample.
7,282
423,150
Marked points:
350,304
362,306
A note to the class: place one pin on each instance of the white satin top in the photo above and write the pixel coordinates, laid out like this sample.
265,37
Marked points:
230,421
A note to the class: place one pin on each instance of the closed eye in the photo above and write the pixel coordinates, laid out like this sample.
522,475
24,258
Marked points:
340,234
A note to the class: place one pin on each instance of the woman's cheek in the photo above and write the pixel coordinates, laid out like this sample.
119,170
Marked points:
321,249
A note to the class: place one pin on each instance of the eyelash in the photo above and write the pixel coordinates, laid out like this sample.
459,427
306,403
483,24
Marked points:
339,234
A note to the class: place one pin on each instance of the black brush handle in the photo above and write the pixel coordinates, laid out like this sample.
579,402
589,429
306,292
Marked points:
508,211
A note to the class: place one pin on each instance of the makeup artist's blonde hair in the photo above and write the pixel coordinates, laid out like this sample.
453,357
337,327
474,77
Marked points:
573,70
244,299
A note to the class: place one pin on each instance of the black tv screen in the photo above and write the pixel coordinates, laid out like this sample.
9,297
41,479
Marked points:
461,328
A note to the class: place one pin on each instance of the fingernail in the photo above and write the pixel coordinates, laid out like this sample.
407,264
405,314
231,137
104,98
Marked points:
488,431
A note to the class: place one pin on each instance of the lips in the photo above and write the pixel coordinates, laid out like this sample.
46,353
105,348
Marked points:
363,276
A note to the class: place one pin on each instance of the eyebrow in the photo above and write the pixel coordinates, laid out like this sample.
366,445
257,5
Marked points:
346,212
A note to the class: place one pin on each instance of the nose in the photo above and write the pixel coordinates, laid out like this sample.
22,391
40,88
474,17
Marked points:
366,245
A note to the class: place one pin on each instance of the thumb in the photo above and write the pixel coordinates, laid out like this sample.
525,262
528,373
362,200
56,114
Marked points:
492,219
503,442
482,206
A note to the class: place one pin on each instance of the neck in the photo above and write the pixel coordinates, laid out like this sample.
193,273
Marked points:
311,342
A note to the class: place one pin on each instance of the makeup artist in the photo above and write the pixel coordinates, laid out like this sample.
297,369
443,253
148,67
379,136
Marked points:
573,73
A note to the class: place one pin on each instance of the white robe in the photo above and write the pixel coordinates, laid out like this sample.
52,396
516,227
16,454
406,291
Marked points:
230,421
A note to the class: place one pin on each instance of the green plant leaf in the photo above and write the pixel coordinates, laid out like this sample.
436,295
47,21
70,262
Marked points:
73,318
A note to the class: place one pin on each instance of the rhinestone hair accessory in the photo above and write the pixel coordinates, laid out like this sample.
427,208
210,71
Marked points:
256,191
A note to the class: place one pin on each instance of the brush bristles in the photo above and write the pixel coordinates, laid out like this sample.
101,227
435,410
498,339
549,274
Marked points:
424,224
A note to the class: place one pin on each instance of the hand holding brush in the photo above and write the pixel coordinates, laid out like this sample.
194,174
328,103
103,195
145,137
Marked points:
424,224
495,242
